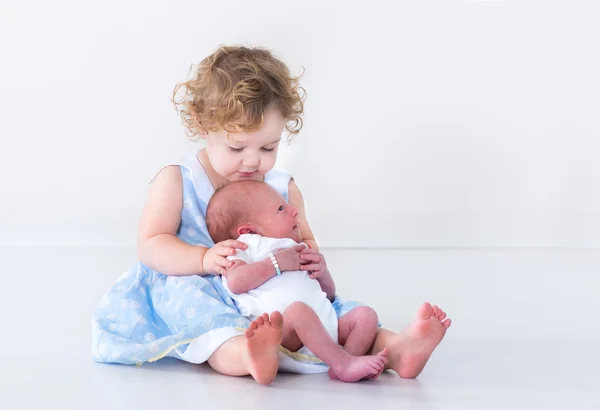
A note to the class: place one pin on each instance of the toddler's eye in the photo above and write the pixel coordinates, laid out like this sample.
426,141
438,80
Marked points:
236,149
281,208
268,149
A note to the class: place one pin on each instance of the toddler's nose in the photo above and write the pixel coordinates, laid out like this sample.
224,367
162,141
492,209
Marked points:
251,161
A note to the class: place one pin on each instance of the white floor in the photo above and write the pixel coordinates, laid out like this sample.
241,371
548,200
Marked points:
526,335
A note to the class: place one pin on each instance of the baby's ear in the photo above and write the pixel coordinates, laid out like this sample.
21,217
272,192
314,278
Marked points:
246,228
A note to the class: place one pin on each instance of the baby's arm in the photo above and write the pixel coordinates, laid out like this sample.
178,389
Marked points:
243,276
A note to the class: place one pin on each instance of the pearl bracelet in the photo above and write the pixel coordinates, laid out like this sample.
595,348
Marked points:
275,264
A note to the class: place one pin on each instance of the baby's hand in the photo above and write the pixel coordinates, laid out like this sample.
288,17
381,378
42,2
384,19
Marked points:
289,259
215,259
314,262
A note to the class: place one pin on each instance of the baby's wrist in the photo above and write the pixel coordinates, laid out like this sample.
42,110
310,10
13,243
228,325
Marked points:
275,263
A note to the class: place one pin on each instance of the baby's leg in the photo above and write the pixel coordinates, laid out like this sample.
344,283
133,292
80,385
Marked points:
256,353
357,330
302,326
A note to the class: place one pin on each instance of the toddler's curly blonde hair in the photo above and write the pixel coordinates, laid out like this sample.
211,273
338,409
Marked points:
232,88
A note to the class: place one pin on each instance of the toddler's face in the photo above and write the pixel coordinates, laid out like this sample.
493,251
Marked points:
275,217
240,156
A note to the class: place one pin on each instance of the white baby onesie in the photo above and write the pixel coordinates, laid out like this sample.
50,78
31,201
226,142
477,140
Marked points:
281,291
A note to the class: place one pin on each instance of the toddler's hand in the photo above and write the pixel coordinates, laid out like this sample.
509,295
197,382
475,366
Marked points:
289,259
314,262
215,259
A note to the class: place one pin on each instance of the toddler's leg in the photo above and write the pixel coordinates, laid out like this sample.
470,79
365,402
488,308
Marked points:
256,353
302,326
357,330
231,357
411,348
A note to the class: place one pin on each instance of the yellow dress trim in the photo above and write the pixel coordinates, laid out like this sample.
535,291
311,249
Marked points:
299,357
169,350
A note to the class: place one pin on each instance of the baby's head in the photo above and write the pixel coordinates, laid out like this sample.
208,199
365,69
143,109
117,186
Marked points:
240,100
251,207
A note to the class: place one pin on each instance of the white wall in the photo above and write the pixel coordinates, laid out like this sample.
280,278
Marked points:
434,124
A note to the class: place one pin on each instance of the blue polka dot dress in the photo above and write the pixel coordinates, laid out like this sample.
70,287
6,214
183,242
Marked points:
146,315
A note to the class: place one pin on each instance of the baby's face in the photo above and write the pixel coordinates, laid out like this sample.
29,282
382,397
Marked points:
275,217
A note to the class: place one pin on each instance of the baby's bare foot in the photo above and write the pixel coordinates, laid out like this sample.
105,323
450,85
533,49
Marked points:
384,354
263,338
360,368
411,348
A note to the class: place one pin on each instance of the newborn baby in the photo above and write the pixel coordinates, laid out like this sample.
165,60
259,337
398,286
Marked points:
269,277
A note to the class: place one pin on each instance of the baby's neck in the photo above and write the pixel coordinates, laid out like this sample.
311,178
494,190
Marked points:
272,236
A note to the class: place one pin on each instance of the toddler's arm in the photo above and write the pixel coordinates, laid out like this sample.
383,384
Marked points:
328,285
314,262
295,199
158,246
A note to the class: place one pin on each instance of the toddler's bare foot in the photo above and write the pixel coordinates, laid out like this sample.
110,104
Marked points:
360,368
263,338
411,348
